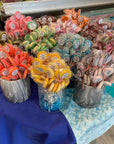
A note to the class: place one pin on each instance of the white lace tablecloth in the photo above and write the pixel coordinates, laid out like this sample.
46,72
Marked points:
88,124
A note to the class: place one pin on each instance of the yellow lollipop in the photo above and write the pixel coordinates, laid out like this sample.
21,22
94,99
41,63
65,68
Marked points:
49,72
55,55
42,55
40,68
65,74
36,61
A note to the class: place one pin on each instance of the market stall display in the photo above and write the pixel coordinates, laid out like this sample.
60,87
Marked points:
52,75
14,69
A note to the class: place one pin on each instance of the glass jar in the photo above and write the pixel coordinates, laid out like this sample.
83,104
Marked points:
50,101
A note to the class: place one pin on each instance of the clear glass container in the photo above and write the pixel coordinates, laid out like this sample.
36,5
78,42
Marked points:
50,101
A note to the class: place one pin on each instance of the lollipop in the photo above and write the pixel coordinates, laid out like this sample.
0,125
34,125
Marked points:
42,39
14,63
18,25
49,70
96,69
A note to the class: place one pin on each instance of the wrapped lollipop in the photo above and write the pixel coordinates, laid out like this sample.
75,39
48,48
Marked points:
72,48
96,27
51,71
67,27
40,39
4,38
94,72
14,68
45,20
18,25
105,41
52,75
96,69
71,22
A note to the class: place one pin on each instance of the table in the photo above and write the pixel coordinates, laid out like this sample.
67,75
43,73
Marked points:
89,124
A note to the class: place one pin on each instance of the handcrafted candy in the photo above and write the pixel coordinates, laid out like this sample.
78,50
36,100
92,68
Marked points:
96,71
41,39
18,25
14,63
96,27
105,41
51,71
72,48
45,20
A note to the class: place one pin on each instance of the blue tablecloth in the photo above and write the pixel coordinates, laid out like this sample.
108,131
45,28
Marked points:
89,123
27,123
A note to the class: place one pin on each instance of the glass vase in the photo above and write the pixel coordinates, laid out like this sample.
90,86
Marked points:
50,101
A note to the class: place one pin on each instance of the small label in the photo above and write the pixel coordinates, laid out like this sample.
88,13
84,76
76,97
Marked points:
75,15
44,19
50,19
77,44
107,58
5,73
76,59
4,37
42,57
65,75
16,34
61,42
32,26
18,15
70,16
36,63
48,74
41,33
12,25
15,72
105,27
100,21
98,80
66,59
80,19
96,61
40,69
108,73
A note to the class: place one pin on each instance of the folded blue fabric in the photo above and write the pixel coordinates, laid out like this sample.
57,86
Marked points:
27,123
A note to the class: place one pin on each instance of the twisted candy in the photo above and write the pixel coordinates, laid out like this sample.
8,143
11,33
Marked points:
18,25
105,41
45,20
51,71
40,39
75,17
96,69
14,63
96,27
72,47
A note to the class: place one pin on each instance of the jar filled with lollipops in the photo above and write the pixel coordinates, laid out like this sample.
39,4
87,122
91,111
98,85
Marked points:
14,69
94,72
52,75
